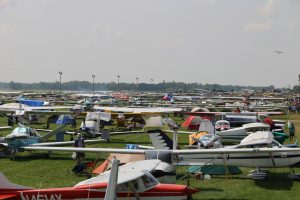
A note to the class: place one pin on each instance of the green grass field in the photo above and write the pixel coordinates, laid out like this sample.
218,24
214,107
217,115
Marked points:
36,170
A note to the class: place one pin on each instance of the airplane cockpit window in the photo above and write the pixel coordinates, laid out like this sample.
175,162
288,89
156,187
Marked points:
122,187
148,181
19,130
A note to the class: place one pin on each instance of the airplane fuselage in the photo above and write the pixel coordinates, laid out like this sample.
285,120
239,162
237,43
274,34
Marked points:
264,160
160,191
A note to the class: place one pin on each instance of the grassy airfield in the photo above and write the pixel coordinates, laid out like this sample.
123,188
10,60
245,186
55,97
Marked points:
36,170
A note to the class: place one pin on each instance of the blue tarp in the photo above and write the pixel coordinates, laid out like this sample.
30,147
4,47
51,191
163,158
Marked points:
65,119
214,169
30,102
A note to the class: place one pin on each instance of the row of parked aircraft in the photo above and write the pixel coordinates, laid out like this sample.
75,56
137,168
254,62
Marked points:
258,150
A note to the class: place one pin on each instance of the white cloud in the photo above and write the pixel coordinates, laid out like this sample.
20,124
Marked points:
89,42
202,2
267,9
170,43
51,2
294,22
104,30
6,30
7,3
4,2
258,26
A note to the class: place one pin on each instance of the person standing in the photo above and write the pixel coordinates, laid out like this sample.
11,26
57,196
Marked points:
79,142
292,131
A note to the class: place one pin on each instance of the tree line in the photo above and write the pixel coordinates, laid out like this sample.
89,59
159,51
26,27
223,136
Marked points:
113,86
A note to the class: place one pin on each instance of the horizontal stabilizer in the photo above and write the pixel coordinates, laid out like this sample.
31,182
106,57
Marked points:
55,131
6,184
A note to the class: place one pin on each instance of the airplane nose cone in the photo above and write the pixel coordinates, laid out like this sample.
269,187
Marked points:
191,191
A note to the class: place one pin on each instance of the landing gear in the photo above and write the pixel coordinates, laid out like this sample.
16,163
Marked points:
258,174
293,175
12,154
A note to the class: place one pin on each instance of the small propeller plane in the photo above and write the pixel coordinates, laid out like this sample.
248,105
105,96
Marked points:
23,136
132,180
258,150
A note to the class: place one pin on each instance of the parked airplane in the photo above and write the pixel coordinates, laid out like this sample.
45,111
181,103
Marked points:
21,109
138,110
23,136
129,181
256,150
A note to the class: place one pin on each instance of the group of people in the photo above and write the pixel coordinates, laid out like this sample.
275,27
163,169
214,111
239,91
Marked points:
291,127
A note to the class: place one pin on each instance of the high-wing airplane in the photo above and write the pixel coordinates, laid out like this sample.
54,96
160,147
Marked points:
23,136
256,150
138,110
22,108
129,181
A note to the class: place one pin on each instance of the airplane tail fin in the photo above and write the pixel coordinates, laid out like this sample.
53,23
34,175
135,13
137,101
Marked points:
57,130
160,139
6,184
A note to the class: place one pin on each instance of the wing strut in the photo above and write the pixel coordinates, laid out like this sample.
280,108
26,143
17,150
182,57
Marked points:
113,179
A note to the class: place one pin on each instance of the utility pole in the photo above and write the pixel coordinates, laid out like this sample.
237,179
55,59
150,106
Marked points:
60,74
118,76
93,84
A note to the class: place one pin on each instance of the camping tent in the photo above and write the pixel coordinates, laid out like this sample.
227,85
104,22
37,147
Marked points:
192,122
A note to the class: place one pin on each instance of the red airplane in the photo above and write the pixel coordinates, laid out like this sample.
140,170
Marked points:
131,182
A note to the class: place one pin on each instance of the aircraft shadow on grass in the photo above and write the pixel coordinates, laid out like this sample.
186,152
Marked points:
278,181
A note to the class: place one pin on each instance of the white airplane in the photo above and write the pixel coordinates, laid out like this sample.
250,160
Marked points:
138,110
131,181
256,150
23,136
20,109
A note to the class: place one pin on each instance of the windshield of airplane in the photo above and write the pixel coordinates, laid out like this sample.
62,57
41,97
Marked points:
206,137
20,131
143,183
24,131
222,123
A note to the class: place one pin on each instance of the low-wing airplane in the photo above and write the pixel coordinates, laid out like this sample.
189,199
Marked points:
23,136
129,181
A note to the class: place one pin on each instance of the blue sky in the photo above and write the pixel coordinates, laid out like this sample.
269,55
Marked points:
206,41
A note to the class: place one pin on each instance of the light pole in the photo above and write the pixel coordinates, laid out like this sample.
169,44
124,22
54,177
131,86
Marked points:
151,80
60,74
93,84
137,80
118,76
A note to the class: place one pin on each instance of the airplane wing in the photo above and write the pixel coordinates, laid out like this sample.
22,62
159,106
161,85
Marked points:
5,128
234,151
95,150
176,152
13,107
66,143
138,110
127,172
4,144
